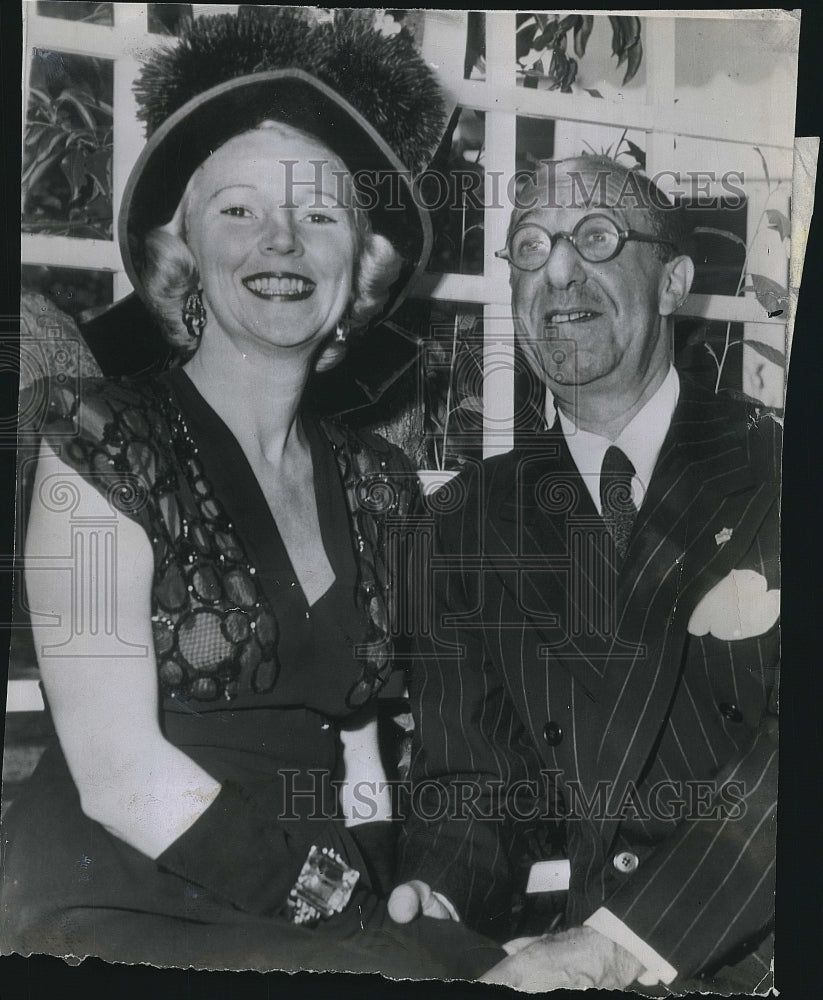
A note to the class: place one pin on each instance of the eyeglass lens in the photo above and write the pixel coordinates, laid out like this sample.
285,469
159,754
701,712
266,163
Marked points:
595,238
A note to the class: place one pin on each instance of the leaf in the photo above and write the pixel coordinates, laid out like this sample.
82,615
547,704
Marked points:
637,153
582,30
39,134
617,34
593,92
67,97
525,36
40,104
767,351
547,38
73,166
569,76
41,95
777,220
770,294
635,57
632,27
557,68
47,155
33,132
628,38
721,232
765,167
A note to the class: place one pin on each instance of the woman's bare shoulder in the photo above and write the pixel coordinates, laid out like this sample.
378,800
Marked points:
112,432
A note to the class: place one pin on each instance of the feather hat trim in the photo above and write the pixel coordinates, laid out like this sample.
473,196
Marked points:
382,77
370,98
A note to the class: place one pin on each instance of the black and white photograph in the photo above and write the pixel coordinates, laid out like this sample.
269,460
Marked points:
396,563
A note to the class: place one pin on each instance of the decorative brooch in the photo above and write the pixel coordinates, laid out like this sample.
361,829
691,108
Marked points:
323,887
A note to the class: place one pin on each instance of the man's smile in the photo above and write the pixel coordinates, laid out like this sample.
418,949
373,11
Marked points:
570,316
280,285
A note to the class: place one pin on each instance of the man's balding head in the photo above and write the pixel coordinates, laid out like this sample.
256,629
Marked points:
599,183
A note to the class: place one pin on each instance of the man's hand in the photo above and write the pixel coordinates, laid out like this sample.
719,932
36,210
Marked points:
411,899
573,959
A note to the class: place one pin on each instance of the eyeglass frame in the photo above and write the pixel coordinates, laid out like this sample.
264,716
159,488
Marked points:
623,237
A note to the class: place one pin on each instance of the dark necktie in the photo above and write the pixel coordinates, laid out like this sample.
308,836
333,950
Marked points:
617,505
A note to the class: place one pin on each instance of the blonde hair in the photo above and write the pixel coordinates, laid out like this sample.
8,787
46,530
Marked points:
170,274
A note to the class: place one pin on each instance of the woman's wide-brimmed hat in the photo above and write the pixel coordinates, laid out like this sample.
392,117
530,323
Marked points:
369,97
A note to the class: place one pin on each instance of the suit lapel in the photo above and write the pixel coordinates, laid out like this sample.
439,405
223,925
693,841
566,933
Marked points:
538,520
700,516
702,466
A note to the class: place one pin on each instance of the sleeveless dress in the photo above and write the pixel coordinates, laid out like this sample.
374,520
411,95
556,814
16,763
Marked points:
253,684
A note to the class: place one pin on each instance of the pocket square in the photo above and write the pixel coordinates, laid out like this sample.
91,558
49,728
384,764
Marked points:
738,607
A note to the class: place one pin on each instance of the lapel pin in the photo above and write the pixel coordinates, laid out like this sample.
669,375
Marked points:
723,535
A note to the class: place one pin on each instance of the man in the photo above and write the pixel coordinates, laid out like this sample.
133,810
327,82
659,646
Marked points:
605,640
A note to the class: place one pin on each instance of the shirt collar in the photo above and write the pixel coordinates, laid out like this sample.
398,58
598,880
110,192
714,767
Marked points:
640,440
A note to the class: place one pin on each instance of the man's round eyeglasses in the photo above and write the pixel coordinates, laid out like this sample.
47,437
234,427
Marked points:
596,238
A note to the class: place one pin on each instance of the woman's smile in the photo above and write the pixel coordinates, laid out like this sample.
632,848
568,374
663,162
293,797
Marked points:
280,286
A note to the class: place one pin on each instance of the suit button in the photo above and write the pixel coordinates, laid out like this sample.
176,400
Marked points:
553,734
626,862
730,711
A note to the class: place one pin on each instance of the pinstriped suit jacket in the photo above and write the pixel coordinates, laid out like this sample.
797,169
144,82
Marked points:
579,689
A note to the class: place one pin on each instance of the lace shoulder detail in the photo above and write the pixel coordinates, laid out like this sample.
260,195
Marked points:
113,432
382,490
380,473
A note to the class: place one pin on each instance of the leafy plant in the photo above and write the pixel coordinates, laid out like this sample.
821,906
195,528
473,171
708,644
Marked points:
453,377
458,220
769,293
546,36
67,153
616,150
167,18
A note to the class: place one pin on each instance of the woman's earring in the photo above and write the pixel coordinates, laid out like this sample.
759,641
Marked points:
194,314
341,333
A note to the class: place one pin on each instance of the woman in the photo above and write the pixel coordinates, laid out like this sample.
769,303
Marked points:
185,815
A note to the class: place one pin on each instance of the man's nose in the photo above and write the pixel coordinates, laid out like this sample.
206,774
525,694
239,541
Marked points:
280,235
564,266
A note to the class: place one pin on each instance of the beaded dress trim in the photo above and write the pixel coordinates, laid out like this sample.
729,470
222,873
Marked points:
215,632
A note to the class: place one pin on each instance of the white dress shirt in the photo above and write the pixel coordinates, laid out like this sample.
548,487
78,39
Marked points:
640,441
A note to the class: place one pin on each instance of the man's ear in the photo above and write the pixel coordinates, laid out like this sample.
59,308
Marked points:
675,281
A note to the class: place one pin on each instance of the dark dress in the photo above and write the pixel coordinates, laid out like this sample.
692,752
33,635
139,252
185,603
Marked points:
253,685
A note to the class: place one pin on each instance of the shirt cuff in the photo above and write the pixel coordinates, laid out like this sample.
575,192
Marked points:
658,969
448,904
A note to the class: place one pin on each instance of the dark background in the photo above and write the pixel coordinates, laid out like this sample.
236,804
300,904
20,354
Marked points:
799,949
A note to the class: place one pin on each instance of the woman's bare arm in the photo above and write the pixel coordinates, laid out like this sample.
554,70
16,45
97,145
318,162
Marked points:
105,708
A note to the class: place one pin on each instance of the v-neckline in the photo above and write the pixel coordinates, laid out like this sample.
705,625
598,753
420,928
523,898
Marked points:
241,495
